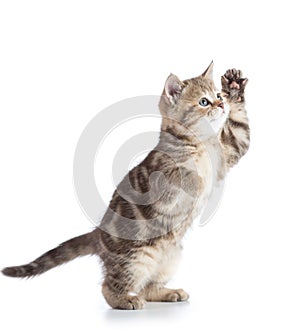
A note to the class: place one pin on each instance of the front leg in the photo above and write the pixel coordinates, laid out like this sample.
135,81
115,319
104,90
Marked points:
233,86
235,136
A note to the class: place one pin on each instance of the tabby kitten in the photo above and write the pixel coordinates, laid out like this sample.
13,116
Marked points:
139,237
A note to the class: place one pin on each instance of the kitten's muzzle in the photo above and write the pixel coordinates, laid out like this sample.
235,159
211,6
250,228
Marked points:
221,105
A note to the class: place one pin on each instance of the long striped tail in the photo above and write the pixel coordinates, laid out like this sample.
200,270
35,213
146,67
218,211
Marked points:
69,250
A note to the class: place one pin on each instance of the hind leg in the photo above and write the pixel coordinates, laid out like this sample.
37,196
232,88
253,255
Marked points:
155,292
121,283
119,298
137,275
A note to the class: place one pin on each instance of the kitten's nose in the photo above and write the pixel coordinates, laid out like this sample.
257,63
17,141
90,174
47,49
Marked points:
221,105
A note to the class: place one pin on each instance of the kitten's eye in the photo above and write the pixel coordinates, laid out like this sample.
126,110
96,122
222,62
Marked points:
204,102
219,97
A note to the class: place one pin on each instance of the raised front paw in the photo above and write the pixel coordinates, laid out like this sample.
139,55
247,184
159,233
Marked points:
233,85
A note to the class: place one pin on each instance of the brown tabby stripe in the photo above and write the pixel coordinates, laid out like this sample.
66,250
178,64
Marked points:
236,124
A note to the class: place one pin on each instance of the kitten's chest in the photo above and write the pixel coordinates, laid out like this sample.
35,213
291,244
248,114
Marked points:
208,163
201,164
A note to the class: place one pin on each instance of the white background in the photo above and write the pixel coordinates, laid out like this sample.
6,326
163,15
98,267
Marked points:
61,62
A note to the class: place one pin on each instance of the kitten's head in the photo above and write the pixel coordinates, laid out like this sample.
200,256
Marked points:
195,103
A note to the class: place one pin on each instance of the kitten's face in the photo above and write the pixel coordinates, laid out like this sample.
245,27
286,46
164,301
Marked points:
195,103
204,103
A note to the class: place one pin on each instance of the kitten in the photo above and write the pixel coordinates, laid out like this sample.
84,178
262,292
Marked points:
139,237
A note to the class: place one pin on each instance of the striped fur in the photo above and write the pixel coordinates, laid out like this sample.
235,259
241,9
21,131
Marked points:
139,237
235,136
67,251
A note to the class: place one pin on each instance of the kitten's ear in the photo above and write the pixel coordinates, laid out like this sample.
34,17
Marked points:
173,88
208,73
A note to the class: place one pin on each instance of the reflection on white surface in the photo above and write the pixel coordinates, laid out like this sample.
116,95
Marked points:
152,311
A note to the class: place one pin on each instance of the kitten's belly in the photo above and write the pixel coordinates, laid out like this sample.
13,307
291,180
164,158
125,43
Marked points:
203,167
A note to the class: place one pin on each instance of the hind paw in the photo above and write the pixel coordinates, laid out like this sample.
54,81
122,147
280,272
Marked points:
154,293
177,295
